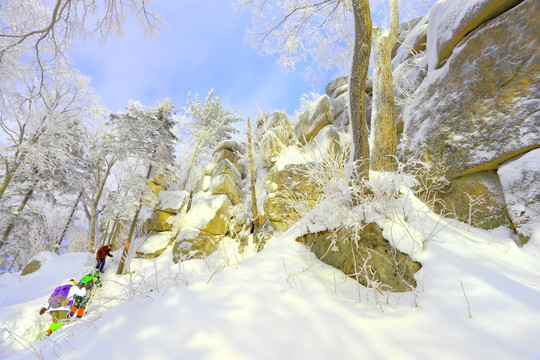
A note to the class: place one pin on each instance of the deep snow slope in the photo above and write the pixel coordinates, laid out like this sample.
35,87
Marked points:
282,303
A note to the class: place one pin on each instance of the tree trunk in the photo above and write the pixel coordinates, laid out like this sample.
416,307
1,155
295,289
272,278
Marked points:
357,85
95,203
19,210
383,154
252,173
123,259
69,221
191,163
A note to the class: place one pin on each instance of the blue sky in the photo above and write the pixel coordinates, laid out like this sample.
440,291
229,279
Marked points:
202,48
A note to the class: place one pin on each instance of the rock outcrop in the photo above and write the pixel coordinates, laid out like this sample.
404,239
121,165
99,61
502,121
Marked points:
451,21
336,249
520,179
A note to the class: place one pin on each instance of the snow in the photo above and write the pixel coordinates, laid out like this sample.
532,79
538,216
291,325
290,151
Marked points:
282,303
172,200
204,208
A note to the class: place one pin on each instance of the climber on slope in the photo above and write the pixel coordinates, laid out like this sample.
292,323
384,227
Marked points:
59,303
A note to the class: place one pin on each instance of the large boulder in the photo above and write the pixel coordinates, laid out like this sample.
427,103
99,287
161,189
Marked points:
223,184
155,245
520,179
405,28
209,213
414,43
276,134
31,267
407,78
173,202
339,102
335,87
158,221
474,119
450,21
476,199
314,118
193,244
157,184
335,248
227,149
227,167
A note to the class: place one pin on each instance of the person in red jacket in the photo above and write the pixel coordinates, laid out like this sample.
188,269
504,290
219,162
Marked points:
101,255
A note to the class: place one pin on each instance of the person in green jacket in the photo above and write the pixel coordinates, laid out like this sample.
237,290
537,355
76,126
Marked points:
89,281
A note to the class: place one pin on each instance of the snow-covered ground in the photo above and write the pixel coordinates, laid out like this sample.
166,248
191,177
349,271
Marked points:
282,303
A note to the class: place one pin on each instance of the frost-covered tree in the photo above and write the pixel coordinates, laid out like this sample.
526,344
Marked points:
384,151
297,28
36,33
40,137
152,144
210,123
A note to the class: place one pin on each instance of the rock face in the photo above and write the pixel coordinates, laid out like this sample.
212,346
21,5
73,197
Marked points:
413,44
313,119
336,249
155,245
477,199
193,244
169,203
520,180
339,101
276,135
31,267
451,21
474,119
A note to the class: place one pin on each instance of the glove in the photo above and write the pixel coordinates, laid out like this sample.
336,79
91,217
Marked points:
42,311
65,302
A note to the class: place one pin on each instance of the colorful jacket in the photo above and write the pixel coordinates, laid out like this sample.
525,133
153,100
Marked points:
103,252
73,291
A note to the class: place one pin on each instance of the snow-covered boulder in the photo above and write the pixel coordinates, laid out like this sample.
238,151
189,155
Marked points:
155,245
476,198
227,149
314,118
276,134
339,102
414,43
337,87
209,213
407,78
520,179
223,184
405,29
173,202
37,261
382,257
227,167
191,243
451,20
157,184
481,108
158,221
203,184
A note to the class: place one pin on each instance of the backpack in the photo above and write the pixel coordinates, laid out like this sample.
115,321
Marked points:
59,294
87,282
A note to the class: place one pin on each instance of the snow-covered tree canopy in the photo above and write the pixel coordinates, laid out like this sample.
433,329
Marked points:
210,122
321,32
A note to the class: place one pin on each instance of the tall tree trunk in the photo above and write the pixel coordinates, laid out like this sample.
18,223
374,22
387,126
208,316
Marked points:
357,85
113,229
69,221
17,212
252,173
95,203
123,259
191,162
7,178
383,154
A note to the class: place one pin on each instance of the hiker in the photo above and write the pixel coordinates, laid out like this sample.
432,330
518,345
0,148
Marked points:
80,302
101,255
60,302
